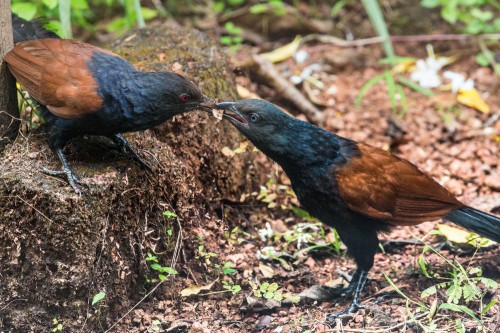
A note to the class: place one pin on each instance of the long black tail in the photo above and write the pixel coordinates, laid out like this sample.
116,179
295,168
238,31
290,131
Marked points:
28,30
482,223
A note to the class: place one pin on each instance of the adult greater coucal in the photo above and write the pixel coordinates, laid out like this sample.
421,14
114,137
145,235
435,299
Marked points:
358,189
85,90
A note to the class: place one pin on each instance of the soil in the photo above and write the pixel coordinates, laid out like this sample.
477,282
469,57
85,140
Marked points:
224,193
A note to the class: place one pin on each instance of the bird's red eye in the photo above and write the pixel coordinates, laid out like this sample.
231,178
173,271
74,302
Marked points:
184,98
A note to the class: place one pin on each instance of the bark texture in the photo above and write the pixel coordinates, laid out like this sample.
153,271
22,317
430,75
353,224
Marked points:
59,250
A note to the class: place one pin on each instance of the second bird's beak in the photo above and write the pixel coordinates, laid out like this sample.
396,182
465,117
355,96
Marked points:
231,113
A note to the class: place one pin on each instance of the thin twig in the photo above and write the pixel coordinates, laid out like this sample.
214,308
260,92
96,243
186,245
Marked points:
14,300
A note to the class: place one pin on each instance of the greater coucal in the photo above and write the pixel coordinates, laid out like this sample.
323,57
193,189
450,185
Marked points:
356,188
85,90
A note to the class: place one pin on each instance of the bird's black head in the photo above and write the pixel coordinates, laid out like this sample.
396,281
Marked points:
270,129
179,94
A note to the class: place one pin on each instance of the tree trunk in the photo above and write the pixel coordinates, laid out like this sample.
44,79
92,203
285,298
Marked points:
59,250
9,114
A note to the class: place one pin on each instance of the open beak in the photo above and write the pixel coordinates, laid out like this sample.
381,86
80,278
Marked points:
231,113
207,104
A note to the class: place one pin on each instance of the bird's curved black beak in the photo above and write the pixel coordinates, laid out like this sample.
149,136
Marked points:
206,104
231,113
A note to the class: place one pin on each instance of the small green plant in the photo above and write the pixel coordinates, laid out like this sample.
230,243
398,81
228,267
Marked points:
163,271
58,326
234,38
220,6
205,255
276,7
463,283
226,268
473,16
273,291
98,297
231,286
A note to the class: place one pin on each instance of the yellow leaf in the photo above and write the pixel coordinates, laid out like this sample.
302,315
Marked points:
461,236
226,151
284,52
472,99
406,66
245,93
195,290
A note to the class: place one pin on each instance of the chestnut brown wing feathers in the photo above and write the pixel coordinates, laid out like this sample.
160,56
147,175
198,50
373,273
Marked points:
382,186
55,73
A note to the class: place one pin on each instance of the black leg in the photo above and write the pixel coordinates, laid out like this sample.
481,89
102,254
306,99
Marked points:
355,286
124,146
72,178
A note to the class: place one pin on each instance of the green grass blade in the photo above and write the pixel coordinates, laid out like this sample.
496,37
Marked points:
374,12
391,88
414,86
65,17
364,89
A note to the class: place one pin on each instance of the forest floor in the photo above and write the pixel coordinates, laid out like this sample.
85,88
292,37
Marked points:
456,145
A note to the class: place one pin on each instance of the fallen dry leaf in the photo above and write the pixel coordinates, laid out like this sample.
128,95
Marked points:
195,290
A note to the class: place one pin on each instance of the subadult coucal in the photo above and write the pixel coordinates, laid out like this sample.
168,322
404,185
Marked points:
356,188
85,90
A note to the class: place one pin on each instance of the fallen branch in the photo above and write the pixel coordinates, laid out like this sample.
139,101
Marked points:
265,69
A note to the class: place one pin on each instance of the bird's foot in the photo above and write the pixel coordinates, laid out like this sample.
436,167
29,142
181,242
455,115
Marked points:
73,179
125,147
355,306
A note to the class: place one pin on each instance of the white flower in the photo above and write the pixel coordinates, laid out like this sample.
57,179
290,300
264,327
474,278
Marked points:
266,253
426,73
303,238
265,233
300,56
307,72
458,81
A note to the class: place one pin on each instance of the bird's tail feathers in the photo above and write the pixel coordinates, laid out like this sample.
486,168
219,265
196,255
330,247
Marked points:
484,224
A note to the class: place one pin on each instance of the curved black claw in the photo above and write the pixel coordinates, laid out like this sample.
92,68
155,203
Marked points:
355,286
126,148
73,180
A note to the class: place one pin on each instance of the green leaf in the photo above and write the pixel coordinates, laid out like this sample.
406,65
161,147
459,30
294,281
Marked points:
278,297
489,306
430,3
459,308
98,297
169,214
51,4
470,292
148,13
226,40
273,287
264,286
423,266
268,294
429,292
259,8
236,288
229,271
24,10
337,7
367,86
482,60
449,14
483,15
79,5
489,283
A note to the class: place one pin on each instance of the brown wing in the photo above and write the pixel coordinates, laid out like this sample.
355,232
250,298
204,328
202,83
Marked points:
55,73
383,186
